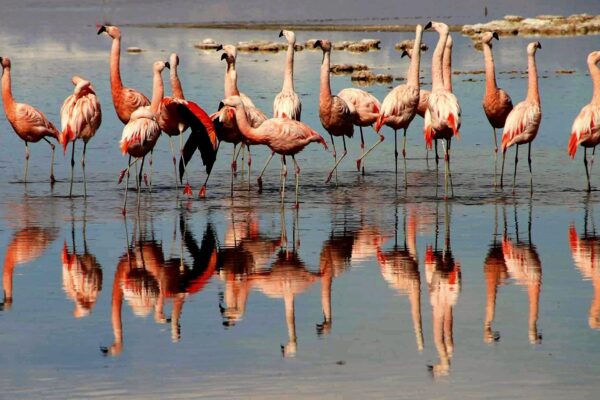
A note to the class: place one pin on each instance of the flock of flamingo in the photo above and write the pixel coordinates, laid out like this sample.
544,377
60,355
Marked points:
239,121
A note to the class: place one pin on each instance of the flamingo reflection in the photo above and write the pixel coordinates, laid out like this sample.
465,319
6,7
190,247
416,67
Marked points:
495,272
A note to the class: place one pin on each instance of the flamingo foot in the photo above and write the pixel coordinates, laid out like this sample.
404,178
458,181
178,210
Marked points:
121,176
146,179
296,206
187,190
52,180
329,177
260,184
124,211
202,192
358,162
403,153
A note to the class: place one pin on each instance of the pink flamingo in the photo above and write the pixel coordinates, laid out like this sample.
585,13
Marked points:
586,127
443,115
287,103
497,104
28,122
81,116
142,131
175,115
400,105
283,136
523,122
336,114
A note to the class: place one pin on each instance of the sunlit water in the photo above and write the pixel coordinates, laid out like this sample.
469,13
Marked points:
487,295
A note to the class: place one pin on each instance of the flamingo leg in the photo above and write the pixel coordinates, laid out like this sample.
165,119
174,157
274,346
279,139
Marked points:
297,180
362,150
404,157
516,162
202,192
446,162
530,172
362,157
587,172
233,166
83,168
26,161
396,154
450,170
129,165
249,166
502,170
437,157
334,163
243,152
149,182
284,175
53,147
337,162
140,181
72,168
262,171
495,156
174,162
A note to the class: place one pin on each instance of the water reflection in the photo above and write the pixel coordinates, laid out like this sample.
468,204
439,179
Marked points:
585,249
444,281
400,268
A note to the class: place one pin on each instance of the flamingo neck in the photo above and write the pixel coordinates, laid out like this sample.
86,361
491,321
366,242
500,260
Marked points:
231,88
288,78
158,91
595,74
244,125
415,62
325,90
436,62
490,69
176,83
447,68
115,70
533,92
7,97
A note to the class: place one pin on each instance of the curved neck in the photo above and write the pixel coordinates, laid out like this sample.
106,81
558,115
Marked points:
115,60
533,93
436,63
7,97
176,83
231,88
447,68
158,92
288,78
490,70
415,61
325,90
244,126
595,74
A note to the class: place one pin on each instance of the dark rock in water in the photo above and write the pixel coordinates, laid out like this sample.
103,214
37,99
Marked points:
370,77
347,68
408,45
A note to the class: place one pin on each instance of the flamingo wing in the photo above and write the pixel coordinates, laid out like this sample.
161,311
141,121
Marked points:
521,124
400,105
35,120
585,127
205,258
287,104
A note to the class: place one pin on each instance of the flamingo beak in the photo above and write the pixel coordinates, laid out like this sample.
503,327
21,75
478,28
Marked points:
167,65
495,35
539,45
281,33
427,26
221,105
102,29
224,56
219,47
318,44
404,53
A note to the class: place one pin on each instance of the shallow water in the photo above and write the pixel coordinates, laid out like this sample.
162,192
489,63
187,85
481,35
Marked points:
491,294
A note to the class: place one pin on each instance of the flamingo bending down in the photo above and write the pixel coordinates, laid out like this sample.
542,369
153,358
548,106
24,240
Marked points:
400,105
496,102
283,136
142,131
523,122
443,115
336,114
287,103
175,115
586,127
28,123
81,116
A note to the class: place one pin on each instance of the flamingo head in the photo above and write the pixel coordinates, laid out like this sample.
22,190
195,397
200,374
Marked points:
289,35
231,101
532,47
5,62
487,37
81,86
593,58
229,53
159,66
439,27
427,26
323,44
406,53
112,31
173,60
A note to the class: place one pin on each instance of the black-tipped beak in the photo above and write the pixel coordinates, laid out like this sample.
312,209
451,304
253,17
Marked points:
539,45
221,105
0,60
495,35
404,53
427,26
102,29
167,65
281,33
219,47
224,56
318,43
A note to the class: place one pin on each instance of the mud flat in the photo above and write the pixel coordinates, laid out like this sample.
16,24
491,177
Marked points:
544,25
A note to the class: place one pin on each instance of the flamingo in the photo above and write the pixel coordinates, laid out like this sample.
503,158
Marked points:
523,122
586,127
287,103
496,274
496,102
30,124
400,105
175,115
336,114
142,131
283,136
81,116
443,115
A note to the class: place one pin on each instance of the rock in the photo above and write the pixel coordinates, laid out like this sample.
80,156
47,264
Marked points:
206,44
298,47
370,77
358,47
372,43
513,18
134,50
347,68
564,71
408,44
343,45
310,43
547,25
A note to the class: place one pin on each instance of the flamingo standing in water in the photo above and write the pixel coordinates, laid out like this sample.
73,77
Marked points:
28,123
443,115
496,102
336,114
81,116
586,127
142,131
175,115
283,136
287,103
523,122
400,105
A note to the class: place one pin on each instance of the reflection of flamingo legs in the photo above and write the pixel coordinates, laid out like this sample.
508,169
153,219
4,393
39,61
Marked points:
289,350
325,326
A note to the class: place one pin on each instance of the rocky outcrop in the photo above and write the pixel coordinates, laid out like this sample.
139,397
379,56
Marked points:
339,69
547,25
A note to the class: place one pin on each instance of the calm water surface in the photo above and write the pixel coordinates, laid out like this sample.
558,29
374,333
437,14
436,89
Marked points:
364,291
